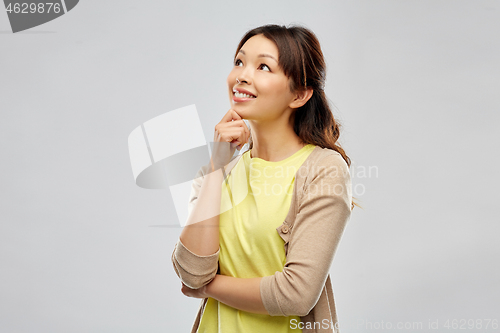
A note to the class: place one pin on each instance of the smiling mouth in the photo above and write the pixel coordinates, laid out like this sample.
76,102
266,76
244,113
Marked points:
242,95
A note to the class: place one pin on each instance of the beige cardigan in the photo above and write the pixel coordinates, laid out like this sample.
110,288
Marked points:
319,211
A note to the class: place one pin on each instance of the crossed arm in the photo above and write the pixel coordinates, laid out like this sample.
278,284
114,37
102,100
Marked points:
322,215
239,293
199,242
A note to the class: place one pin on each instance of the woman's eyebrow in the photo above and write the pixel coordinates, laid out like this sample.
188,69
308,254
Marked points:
263,55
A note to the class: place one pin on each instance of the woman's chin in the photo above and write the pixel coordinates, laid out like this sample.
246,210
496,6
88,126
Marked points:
238,110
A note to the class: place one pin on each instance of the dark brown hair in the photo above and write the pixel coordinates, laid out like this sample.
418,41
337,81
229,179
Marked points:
301,59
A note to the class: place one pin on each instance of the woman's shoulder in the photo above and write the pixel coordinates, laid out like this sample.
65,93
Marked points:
326,157
324,163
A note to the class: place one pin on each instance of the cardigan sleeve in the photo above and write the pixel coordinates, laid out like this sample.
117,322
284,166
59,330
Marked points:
323,212
194,270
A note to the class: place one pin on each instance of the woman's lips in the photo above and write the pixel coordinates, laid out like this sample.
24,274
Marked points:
242,99
240,95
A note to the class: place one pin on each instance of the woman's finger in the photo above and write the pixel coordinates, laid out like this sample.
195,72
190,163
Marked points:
243,133
231,129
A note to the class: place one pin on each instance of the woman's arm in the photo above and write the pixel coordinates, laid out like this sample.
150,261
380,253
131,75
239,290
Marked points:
239,293
201,233
323,212
196,261
318,228
196,255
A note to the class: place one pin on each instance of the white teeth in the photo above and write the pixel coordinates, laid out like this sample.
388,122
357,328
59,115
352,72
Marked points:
242,95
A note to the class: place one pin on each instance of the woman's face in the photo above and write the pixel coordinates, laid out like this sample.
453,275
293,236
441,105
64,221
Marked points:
256,68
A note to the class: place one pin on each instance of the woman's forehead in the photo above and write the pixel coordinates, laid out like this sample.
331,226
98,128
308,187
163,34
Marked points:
260,46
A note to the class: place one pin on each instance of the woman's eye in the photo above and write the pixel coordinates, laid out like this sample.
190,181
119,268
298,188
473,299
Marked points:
237,62
265,66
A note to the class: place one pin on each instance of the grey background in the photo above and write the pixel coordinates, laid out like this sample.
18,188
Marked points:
415,85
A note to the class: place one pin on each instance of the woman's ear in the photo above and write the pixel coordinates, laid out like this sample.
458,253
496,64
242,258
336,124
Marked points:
301,98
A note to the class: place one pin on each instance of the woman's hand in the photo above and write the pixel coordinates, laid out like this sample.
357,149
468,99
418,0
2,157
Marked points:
230,132
196,293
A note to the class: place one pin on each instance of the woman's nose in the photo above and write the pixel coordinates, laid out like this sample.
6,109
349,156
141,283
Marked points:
244,76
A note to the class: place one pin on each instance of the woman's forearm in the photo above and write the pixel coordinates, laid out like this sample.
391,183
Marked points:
239,293
201,233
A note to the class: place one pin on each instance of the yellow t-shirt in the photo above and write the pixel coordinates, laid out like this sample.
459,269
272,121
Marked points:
260,194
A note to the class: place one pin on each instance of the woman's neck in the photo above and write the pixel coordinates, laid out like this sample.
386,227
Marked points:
274,147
